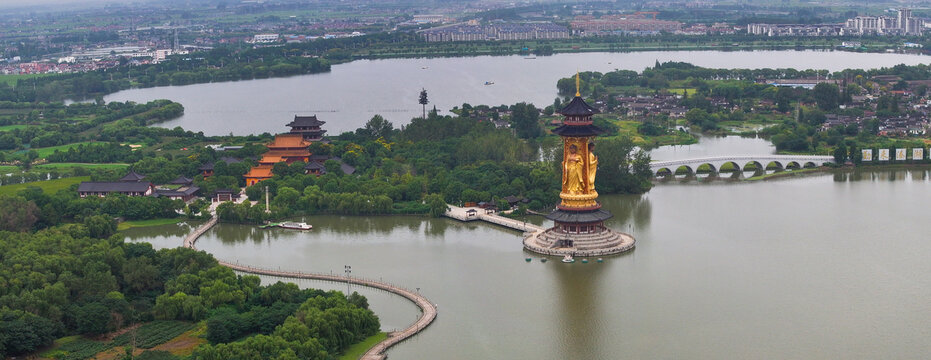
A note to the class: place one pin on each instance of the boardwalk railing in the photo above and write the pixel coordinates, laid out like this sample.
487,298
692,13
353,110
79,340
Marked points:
377,352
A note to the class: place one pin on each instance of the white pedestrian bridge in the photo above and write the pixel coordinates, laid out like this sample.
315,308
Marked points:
740,162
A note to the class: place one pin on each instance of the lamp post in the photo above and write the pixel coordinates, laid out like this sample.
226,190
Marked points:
348,270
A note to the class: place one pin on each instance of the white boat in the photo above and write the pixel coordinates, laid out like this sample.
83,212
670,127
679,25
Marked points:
295,225
489,83
568,259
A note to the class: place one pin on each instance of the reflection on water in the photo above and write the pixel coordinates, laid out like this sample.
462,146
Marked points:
709,145
628,210
578,309
161,236
788,268
918,174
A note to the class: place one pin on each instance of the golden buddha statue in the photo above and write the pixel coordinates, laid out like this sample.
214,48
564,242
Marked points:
592,166
574,182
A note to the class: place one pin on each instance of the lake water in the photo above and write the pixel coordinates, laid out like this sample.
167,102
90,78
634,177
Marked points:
833,265
830,265
352,93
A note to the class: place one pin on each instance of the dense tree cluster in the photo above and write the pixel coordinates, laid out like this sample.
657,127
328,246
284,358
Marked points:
62,281
308,324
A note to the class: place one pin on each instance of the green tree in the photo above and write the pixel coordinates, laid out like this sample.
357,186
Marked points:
17,214
840,154
436,204
92,318
826,96
100,226
376,127
525,119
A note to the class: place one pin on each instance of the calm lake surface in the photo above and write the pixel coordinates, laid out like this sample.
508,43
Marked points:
830,265
833,265
352,93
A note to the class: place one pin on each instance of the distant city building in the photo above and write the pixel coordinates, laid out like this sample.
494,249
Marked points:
902,24
796,29
503,31
427,19
265,38
161,54
611,23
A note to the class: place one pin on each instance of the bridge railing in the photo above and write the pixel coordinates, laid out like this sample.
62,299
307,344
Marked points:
748,158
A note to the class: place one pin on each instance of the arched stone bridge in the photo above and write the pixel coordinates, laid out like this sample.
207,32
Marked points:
741,161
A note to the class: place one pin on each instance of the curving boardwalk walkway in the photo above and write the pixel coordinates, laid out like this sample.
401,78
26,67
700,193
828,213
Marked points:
192,237
377,352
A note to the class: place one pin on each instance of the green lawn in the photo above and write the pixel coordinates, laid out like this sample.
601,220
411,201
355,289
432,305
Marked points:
691,91
11,79
46,151
13,127
143,223
356,351
49,186
629,128
83,165
6,169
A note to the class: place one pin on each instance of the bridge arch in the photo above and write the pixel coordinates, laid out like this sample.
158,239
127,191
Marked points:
778,165
754,165
688,170
711,168
809,164
735,167
793,165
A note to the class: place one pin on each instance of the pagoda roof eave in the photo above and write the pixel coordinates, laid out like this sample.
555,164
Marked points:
578,130
578,107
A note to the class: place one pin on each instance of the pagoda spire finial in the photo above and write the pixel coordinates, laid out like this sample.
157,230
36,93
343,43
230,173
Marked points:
577,87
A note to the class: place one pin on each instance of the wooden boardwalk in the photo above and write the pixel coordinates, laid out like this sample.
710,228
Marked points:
377,352
463,214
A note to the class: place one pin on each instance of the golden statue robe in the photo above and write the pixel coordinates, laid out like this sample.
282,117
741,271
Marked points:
574,182
592,168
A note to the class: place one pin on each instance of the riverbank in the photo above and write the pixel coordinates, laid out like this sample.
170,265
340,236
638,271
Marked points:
125,225
787,174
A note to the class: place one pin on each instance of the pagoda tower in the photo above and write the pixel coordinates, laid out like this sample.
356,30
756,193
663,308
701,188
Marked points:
579,228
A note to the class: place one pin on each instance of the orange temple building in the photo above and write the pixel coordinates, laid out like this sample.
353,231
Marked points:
286,148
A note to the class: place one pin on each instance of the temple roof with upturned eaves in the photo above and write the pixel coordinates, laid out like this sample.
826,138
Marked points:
300,121
578,107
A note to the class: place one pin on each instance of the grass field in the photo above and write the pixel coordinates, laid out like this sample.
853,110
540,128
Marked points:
629,128
6,169
46,151
83,165
11,79
691,91
13,127
143,223
49,186
355,352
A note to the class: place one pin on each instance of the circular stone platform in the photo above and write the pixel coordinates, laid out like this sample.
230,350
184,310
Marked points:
606,242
